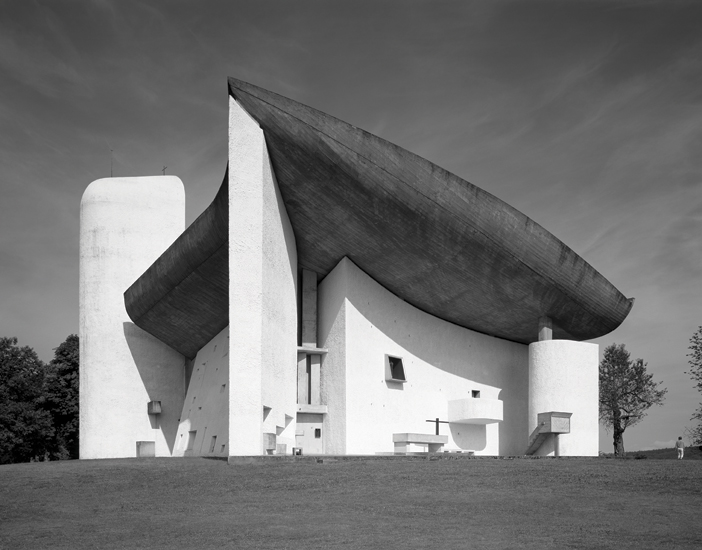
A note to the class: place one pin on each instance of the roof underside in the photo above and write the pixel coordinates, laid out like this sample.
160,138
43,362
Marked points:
433,239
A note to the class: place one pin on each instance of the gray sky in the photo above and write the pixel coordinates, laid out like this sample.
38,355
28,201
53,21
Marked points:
584,115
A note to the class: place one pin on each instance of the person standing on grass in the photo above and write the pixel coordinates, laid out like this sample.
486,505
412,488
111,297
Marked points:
680,446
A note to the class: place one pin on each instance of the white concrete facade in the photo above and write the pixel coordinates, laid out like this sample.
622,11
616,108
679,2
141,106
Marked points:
564,377
203,428
126,223
387,368
361,322
262,295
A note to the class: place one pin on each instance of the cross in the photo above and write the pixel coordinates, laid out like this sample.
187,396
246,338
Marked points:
164,170
437,421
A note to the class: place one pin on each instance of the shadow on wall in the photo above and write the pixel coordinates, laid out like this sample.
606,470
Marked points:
506,370
162,372
469,436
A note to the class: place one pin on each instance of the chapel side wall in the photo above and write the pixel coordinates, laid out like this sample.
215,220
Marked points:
331,331
205,410
564,377
125,225
442,362
279,331
262,295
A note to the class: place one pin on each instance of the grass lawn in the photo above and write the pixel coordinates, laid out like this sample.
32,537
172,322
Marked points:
360,503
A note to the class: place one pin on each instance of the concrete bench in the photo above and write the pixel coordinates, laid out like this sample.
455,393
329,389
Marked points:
414,443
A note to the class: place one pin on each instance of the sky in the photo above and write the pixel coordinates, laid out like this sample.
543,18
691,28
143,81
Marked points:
584,115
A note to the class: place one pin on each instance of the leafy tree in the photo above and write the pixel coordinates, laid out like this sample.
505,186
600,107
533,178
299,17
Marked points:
61,398
38,403
627,391
695,372
25,426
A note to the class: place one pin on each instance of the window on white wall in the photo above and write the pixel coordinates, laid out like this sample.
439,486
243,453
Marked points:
476,393
394,369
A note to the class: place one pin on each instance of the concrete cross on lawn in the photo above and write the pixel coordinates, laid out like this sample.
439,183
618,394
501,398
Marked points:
437,421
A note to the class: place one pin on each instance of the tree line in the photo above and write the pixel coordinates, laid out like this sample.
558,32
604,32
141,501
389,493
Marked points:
38,402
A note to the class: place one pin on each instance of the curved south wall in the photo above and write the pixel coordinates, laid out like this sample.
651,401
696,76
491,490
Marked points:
360,322
564,377
125,224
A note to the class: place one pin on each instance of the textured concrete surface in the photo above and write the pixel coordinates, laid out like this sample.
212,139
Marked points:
206,406
475,411
125,224
564,377
435,240
361,322
182,298
262,294
331,328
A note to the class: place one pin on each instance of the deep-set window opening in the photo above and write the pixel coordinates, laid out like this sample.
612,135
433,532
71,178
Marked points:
397,370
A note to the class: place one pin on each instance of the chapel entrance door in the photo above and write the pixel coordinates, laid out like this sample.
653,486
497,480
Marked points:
310,435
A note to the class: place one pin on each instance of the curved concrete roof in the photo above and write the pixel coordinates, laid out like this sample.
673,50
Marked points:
183,298
435,240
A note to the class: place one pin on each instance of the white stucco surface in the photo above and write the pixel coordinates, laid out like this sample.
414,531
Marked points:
475,411
206,406
564,377
262,295
361,322
125,225
331,333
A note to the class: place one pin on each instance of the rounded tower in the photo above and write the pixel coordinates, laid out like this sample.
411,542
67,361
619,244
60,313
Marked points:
125,224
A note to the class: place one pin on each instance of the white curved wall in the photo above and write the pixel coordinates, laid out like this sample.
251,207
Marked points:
564,377
360,322
125,225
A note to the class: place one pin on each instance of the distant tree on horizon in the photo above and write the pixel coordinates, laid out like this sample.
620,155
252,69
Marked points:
26,428
61,397
695,372
38,402
627,391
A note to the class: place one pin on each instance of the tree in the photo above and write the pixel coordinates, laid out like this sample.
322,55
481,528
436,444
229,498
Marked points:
38,403
627,391
25,426
61,398
695,372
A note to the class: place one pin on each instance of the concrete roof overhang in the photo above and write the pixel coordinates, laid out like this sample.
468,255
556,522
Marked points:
436,241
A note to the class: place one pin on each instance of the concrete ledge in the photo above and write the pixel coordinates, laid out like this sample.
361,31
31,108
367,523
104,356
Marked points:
312,409
419,438
475,411
312,351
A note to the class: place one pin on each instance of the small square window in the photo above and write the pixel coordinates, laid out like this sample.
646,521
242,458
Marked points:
476,393
394,369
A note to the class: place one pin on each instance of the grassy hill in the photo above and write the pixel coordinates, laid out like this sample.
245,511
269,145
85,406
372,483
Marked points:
358,503
691,453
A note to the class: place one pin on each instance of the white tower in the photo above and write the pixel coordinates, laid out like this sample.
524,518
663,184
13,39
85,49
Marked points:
125,225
